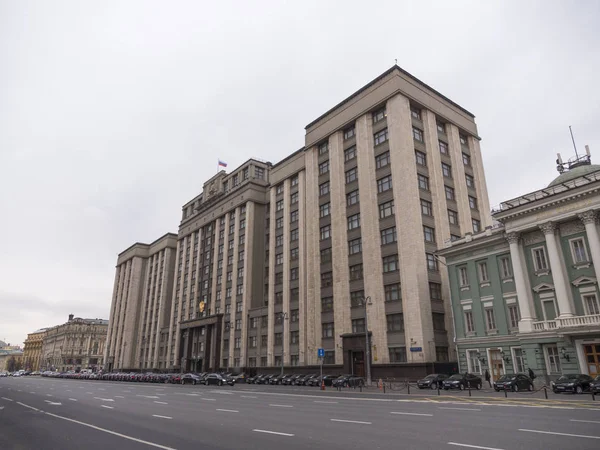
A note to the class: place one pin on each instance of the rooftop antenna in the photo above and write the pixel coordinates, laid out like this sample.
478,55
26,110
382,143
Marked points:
573,139
396,60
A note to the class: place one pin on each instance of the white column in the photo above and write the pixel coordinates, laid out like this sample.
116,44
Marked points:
560,285
589,220
523,294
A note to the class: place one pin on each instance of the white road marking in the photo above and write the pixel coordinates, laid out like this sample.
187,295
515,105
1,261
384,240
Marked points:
161,403
560,434
7,399
32,392
160,394
26,406
114,433
68,390
73,399
101,389
50,395
473,446
127,392
208,399
460,409
119,396
222,392
20,390
351,421
273,432
586,421
147,396
109,407
162,417
411,414
228,410
319,401
249,396
281,406
53,403
104,399
90,393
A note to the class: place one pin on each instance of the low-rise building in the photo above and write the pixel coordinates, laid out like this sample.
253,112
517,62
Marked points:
11,359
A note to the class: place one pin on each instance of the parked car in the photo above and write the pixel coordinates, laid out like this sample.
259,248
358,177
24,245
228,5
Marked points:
218,379
190,378
595,385
574,382
514,382
432,381
348,381
463,381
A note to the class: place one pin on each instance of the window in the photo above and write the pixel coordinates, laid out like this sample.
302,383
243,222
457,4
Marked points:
352,198
242,224
379,115
423,182
326,255
278,240
241,255
395,322
443,147
356,272
324,167
441,127
294,273
384,184
539,259
518,360
381,136
463,139
259,173
553,359
326,304
382,160
505,268
326,279
354,221
323,148
294,337
235,180
449,193
473,363
231,229
279,189
421,158
452,217
483,272
294,294
327,330
432,263
390,263
429,234
294,216
417,134
325,232
324,210
472,202
349,132
351,175
242,240
254,322
354,246
324,188
329,357
435,291
469,324
591,304
230,245
350,153
426,208
294,235
513,316
438,321
441,354
294,315
415,112
278,338
240,272
470,181
279,278
392,292
294,198
294,253
357,298
578,251
463,276
388,236
279,223
490,319
386,209
238,324
358,325
397,354
447,170
294,181
466,159
263,361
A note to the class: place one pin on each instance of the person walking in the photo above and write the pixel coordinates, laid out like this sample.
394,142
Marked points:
488,377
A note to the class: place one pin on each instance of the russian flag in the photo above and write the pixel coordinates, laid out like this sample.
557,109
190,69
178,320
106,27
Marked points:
222,164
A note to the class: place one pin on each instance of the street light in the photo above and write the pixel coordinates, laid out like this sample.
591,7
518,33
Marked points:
283,316
366,301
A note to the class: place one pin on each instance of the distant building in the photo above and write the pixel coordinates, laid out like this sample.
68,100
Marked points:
32,350
525,293
6,355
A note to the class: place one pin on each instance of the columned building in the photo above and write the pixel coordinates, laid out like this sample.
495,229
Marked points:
32,350
525,293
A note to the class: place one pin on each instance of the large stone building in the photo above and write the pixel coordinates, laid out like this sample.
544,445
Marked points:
11,358
32,350
74,345
525,292
274,261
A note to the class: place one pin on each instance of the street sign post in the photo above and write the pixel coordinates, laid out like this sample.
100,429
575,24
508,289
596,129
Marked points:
321,354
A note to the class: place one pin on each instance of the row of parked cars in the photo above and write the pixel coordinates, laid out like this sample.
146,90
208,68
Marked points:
312,379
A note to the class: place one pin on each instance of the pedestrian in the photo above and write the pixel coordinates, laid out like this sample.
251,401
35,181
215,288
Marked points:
531,374
488,377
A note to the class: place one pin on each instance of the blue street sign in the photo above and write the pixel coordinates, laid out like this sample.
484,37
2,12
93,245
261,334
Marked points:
416,349
321,353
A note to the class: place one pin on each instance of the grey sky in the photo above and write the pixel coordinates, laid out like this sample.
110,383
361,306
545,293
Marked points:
113,114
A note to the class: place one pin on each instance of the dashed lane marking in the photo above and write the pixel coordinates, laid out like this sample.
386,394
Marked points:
560,434
161,417
27,406
473,446
273,432
585,421
228,410
161,403
411,414
460,409
248,396
7,399
351,421
108,407
281,406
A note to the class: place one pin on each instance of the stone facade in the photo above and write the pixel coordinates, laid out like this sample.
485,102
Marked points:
32,350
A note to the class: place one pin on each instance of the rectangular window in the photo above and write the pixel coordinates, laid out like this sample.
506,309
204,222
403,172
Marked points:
388,236
390,263
350,153
327,330
356,272
279,278
326,304
483,272
469,324
278,298
279,205
294,337
354,246
441,127
432,263
415,112
452,217
539,259
354,221
490,319
518,360
294,198
435,291
421,158
443,147
578,251
553,359
294,253
449,193
294,216
238,324
278,338
279,240
381,136
323,148
325,232
472,202
326,279
324,167
324,188
384,184
513,316
259,173
349,132
466,159
417,134
294,235
392,292
357,298
264,340
470,181
379,115
438,321
279,223
294,315
351,175
324,210
294,273
329,357
326,255
397,354
279,189
428,234
447,170
358,325
505,268
423,182
463,139
591,304
386,209
463,276
382,160
352,198
426,208
294,181
395,322
294,294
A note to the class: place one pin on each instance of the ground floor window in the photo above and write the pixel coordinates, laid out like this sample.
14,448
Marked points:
397,354
473,364
441,354
553,359
518,360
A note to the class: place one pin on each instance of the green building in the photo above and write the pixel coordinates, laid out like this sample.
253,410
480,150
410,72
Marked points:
524,292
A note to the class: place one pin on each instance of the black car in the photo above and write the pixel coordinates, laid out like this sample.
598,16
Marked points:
463,381
218,379
432,381
595,385
190,378
514,382
574,382
290,380
348,381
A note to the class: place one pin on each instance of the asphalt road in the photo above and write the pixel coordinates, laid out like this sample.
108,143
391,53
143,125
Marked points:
45,413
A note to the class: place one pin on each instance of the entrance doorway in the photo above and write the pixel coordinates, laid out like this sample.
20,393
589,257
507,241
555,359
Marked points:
592,358
358,363
496,365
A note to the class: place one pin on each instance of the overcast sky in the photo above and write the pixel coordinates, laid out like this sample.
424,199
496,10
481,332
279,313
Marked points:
113,114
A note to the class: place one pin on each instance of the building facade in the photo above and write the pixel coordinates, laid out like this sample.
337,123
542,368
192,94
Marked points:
74,345
141,306
275,261
11,360
32,350
525,293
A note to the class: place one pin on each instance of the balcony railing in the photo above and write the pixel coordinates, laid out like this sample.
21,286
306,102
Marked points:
569,322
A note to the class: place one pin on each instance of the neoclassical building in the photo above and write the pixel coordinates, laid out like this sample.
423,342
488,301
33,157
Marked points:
525,292
32,350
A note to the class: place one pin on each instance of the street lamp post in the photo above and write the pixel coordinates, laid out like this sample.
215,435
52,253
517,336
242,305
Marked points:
283,316
367,301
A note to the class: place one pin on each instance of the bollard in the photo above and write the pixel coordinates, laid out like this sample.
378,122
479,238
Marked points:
360,387
408,387
438,389
469,388
384,388
505,393
593,395
545,392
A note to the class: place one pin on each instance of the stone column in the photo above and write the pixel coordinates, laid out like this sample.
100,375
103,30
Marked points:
589,220
560,284
523,294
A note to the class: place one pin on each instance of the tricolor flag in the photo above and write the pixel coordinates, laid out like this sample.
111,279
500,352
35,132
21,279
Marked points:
222,164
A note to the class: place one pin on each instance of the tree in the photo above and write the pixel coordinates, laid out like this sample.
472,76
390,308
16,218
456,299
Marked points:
12,365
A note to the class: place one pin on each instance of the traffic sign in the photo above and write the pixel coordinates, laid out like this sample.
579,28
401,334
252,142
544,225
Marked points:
321,353
416,349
